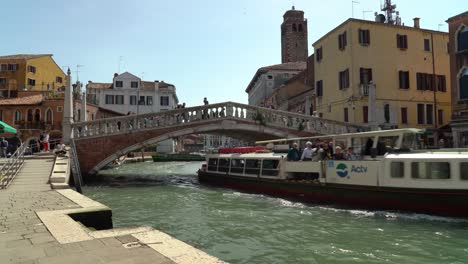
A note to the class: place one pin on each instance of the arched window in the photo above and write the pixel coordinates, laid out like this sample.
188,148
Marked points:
17,116
37,115
48,116
30,115
463,84
462,38
294,27
300,28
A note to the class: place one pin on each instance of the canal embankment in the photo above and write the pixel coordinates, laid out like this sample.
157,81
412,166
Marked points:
41,225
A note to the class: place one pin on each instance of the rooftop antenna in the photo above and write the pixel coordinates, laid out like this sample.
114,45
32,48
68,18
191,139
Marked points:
77,71
352,7
438,27
389,9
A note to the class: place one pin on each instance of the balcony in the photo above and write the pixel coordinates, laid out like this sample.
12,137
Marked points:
364,91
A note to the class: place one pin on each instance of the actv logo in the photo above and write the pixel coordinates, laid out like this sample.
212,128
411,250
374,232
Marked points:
342,170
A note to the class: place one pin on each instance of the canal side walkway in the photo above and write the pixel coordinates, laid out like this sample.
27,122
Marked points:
35,227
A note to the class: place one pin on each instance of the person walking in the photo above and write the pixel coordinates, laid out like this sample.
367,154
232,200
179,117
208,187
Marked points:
3,146
45,141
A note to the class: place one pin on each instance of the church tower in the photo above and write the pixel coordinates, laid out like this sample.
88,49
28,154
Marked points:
294,36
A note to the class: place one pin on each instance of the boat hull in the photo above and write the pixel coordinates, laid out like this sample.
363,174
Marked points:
429,201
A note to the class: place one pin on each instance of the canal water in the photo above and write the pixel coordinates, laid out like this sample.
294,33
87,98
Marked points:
250,228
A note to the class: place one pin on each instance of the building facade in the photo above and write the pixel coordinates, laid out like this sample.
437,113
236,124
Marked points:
128,94
28,72
383,75
458,34
294,45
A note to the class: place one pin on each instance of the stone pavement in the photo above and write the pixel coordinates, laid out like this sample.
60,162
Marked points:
25,239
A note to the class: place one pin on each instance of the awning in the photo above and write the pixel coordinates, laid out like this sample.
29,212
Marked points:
5,128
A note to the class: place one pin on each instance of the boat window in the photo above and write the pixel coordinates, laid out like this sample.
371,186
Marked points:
410,141
464,170
252,166
270,167
386,143
237,166
397,170
430,170
223,165
213,164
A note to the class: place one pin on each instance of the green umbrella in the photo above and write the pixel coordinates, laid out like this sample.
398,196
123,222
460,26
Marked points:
4,127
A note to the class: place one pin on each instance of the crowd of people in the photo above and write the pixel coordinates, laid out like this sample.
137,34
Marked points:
320,150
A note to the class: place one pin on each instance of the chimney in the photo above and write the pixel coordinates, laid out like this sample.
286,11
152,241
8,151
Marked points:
116,74
416,22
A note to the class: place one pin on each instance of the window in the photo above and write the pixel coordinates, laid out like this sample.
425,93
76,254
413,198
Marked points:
223,165
118,83
463,85
462,39
270,77
294,28
440,116
319,88
463,170
58,79
12,67
213,164
441,84
134,84
430,170
141,101
404,115
59,109
237,166
133,99
319,54
346,119
32,69
48,116
365,114
3,81
364,37
299,27
149,100
424,81
404,79
31,82
402,41
420,114
29,116
109,99
4,67
119,99
342,41
17,116
429,114
344,79
427,45
164,100
252,166
365,75
270,167
397,170
37,115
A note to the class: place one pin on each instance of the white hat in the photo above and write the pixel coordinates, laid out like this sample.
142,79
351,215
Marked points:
309,143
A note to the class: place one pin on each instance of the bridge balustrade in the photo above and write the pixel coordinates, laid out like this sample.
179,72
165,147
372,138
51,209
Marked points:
208,113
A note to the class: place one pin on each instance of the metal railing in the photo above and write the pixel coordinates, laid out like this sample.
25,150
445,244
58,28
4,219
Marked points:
13,164
75,167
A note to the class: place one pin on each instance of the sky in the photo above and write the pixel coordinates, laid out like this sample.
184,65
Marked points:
206,48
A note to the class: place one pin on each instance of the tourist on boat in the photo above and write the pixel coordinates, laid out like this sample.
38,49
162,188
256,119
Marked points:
293,153
351,155
339,155
325,153
308,151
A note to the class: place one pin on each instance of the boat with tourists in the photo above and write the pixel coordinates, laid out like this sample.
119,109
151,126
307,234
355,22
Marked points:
386,170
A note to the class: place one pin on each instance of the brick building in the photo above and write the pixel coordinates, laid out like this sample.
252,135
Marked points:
294,45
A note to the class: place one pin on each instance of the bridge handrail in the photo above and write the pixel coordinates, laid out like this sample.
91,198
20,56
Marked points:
226,110
13,164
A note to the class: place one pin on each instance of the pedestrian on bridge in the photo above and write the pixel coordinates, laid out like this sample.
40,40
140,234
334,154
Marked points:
3,146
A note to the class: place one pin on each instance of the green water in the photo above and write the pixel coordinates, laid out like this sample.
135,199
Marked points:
247,228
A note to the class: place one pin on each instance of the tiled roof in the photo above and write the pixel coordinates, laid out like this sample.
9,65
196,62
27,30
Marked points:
29,100
457,16
163,84
288,66
93,85
23,56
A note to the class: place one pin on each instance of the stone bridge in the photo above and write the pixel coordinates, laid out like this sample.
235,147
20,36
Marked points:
99,142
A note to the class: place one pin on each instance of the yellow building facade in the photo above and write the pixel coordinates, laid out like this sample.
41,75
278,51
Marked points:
383,75
26,72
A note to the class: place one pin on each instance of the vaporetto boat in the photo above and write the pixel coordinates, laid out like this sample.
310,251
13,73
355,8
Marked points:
391,172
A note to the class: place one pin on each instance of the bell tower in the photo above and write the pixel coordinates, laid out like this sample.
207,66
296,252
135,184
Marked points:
294,36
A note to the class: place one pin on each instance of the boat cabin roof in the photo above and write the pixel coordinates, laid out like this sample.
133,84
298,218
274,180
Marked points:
379,133
248,155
